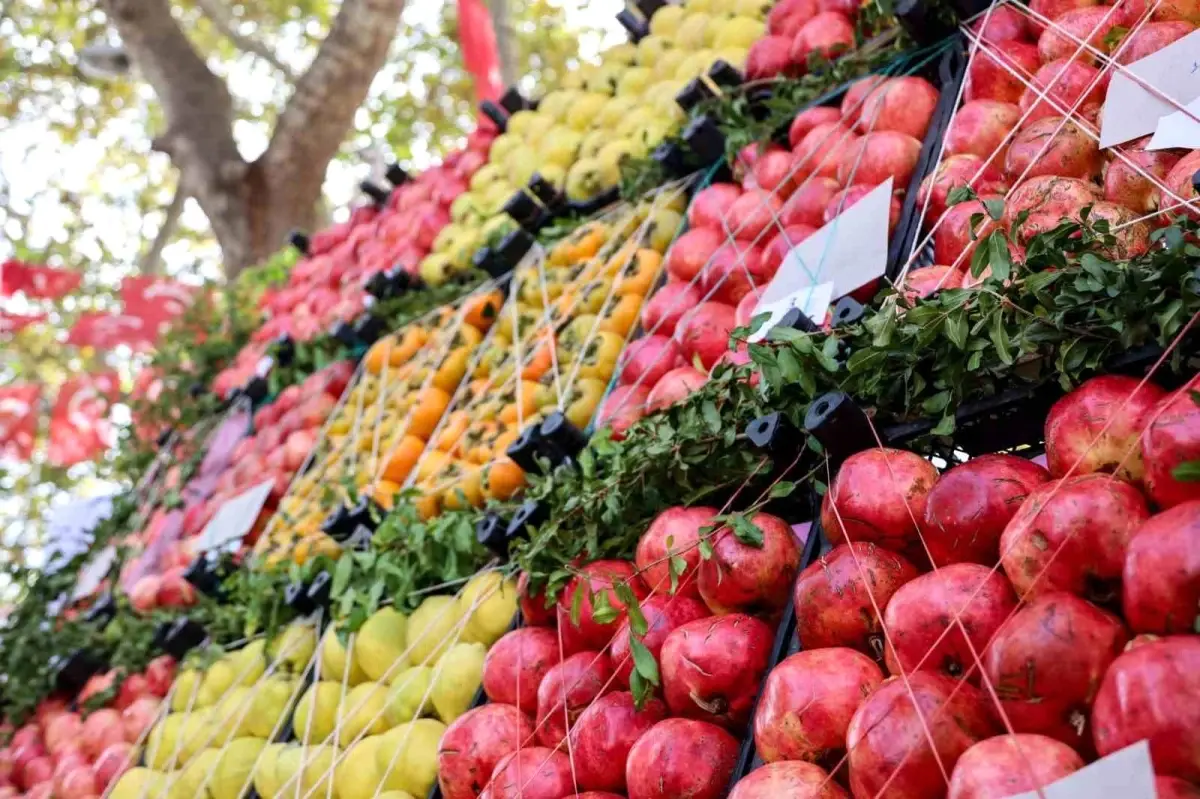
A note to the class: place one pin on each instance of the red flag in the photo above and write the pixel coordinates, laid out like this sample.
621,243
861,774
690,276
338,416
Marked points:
18,419
105,331
15,322
79,426
155,299
481,56
37,282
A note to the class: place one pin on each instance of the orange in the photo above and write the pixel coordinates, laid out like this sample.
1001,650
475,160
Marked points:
402,459
452,370
537,362
427,412
477,444
412,338
385,494
461,486
433,462
452,432
429,504
521,405
504,440
639,274
502,479
481,310
622,315
378,355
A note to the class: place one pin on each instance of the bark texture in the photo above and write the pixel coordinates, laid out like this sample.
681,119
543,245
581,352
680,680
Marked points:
253,205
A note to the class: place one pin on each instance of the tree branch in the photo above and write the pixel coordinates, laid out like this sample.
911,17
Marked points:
151,260
224,22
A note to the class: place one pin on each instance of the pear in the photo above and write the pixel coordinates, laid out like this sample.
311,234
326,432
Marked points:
520,123
624,53
249,662
668,63
446,237
316,712
556,176
603,79
434,270
614,111
463,250
357,776
139,782
496,196
755,9
408,696
615,152
361,710
187,685
380,644
734,56
537,129
485,176
463,210
691,34
651,48
520,165
695,65
707,6
269,706
497,226
666,21
489,601
234,767
407,756
217,680
559,147
595,139
738,32
294,648
575,79
634,81
433,628
457,679
665,224
266,779
633,123
502,145
585,110
555,104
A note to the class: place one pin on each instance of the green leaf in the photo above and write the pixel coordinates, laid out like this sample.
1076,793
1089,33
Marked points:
602,611
945,427
341,576
705,548
643,661
577,604
959,194
712,416
999,256
999,337
745,530
783,488
994,208
1187,472
956,330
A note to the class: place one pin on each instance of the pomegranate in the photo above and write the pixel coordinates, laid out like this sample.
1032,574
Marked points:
474,743
1053,9
712,668
646,360
1125,185
773,172
827,34
769,57
1175,788
1092,24
788,16
62,732
674,533
532,773
1150,38
742,315
1068,85
971,504
903,104
750,215
668,305
623,407
133,687
79,782
1053,146
1046,663
691,252
681,757
38,771
964,169
750,577
846,198
566,690
878,496
604,734
927,280
969,599
807,702
1161,577
877,156
794,780
534,610
856,96
806,207
981,128
676,386
1185,10
1053,195
1172,437
594,578
808,119
952,241
836,597
778,248
1178,186
1150,692
704,332
1002,23
1011,764
734,271
820,152
101,729
112,763
516,664
990,75
1095,428
1130,238
663,614
890,733
143,596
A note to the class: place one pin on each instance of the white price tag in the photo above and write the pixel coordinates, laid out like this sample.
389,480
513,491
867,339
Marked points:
1125,774
1131,110
234,519
813,302
264,366
94,573
1178,130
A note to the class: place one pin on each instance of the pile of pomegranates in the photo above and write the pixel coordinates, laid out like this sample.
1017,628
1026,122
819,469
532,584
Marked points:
797,29
991,629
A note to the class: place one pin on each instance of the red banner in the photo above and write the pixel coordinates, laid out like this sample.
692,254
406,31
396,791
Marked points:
15,322
481,56
105,331
37,282
155,299
18,419
79,426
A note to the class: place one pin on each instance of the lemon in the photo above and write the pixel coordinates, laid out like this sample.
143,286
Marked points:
361,710
651,48
197,732
217,680
380,643
520,123
668,63
317,775
186,684
489,600
691,33
316,712
249,662
433,628
193,776
634,81
407,755
234,767
408,696
269,707
585,110
266,780
139,782
738,32
162,741
357,776
457,679
294,648
666,21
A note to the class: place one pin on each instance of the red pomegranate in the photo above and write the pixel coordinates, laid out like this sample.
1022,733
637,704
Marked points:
840,599
821,150
566,691
1161,578
1001,24
996,73
827,34
1178,186
927,280
794,780
1071,535
663,614
889,736
969,599
773,172
903,104
954,240
806,206
1175,788
646,360
532,773
1125,181
1047,661
877,156
1068,84
981,128
712,668
751,213
1053,9
735,270
971,504
63,732
705,332
622,408
534,610
474,743
1171,438
668,305
101,729
879,497
1150,38
856,95
1011,764
515,665
807,702
1152,692
964,169
1051,195
160,673
710,205
595,578
603,735
751,576
681,757
769,57
138,717
1093,25
787,16
1053,146
691,252
778,248
674,533
675,386
112,763
808,119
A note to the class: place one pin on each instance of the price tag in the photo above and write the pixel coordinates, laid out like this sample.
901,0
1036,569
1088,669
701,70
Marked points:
812,301
94,573
264,366
1178,130
1131,110
1125,774
234,519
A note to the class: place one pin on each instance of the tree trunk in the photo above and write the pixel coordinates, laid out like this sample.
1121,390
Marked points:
253,206
506,42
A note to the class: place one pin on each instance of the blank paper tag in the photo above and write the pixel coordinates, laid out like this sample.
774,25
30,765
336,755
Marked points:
813,302
1178,130
94,573
234,519
1131,111
1125,774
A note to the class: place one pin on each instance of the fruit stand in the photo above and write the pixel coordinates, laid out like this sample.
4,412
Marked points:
801,401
